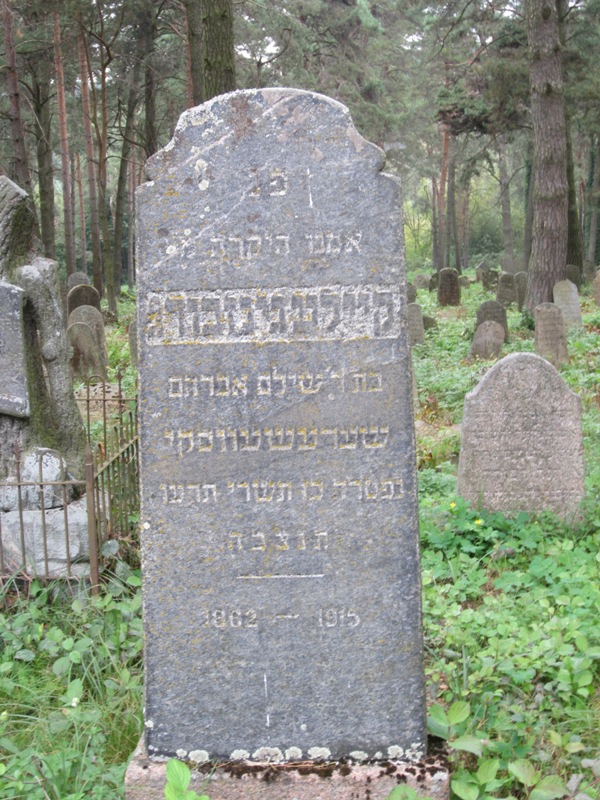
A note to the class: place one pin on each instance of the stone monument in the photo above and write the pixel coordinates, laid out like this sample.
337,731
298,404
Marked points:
448,290
279,512
566,297
492,311
522,444
505,291
416,329
521,288
488,340
550,336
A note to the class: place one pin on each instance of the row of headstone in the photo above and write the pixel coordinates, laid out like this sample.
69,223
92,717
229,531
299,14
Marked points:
82,294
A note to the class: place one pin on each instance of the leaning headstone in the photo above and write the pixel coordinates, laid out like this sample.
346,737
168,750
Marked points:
505,292
488,340
492,311
82,295
566,297
416,331
520,289
14,399
596,287
86,358
411,293
448,293
482,267
550,337
77,279
276,413
522,446
573,274
489,280
92,317
434,281
421,281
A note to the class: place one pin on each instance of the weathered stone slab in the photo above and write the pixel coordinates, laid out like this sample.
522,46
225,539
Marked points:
434,281
14,399
92,317
77,279
82,295
279,511
464,281
550,336
41,465
522,446
448,292
520,289
489,279
488,340
416,330
566,297
505,292
411,293
429,322
86,358
492,311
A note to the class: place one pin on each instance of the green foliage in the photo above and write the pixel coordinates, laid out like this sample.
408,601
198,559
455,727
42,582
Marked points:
178,780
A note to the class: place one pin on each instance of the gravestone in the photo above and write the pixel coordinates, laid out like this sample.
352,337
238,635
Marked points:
550,337
489,280
464,282
573,274
92,317
421,281
566,297
411,293
522,446
279,511
14,399
86,359
596,287
505,292
520,289
488,340
416,330
434,281
77,279
492,310
448,292
82,295
429,322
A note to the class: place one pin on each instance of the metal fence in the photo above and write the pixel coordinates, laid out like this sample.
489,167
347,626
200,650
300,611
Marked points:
68,528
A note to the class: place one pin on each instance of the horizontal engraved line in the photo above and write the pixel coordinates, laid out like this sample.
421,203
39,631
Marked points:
273,577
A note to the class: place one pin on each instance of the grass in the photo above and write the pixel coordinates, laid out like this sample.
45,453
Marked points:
511,611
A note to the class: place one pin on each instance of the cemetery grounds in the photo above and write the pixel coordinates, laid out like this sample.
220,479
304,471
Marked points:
511,609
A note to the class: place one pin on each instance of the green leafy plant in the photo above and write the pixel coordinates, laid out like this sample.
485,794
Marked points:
178,780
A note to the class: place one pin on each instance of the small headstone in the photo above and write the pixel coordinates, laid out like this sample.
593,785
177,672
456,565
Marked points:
434,281
489,280
596,287
86,359
82,295
492,311
482,267
416,331
421,281
279,513
14,399
464,281
92,317
411,293
429,322
566,297
520,288
550,337
505,292
133,345
77,279
448,293
573,274
488,340
522,446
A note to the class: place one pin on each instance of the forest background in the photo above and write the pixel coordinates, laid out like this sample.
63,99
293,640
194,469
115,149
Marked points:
487,109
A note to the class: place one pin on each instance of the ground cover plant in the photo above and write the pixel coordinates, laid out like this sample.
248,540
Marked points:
512,641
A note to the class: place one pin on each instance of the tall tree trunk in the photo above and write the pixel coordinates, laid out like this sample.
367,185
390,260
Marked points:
40,94
466,223
508,260
148,36
193,15
528,231
442,221
82,230
435,227
91,163
550,203
64,146
593,203
131,226
217,47
452,217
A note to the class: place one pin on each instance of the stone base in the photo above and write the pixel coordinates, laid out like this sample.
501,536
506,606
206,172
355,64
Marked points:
145,779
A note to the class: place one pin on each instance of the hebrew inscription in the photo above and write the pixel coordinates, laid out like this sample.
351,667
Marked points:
279,514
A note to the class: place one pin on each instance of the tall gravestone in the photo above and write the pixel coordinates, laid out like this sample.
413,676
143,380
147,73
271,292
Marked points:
14,398
505,292
521,440
550,336
520,289
566,297
416,329
279,509
448,290
488,340
492,311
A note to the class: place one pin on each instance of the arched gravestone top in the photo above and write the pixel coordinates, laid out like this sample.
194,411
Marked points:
82,295
416,329
492,310
505,292
550,336
77,279
448,292
279,511
521,440
566,297
488,340
86,359
92,317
